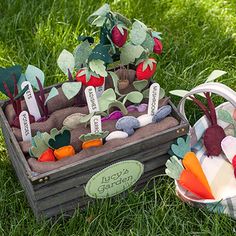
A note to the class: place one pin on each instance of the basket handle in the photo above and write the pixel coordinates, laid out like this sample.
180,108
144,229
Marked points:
213,87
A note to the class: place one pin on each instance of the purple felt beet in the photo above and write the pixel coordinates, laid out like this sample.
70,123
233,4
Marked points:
212,139
140,108
115,115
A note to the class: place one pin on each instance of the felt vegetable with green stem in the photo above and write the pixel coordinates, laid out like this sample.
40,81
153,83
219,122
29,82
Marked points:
93,139
40,149
60,143
9,77
186,178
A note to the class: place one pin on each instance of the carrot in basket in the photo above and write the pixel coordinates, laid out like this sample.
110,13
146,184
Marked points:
92,143
65,151
187,179
192,164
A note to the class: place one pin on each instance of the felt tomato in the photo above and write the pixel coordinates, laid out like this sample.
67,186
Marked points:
146,69
93,81
47,156
118,36
157,46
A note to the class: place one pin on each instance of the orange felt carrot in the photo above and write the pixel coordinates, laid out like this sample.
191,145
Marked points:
190,182
65,151
192,164
92,143
187,179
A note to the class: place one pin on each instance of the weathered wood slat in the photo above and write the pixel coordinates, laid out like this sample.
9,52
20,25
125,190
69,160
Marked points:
79,191
70,206
144,156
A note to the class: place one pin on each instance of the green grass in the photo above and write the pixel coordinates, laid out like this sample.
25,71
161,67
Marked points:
199,36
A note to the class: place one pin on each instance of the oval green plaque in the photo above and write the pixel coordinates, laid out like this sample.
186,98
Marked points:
114,179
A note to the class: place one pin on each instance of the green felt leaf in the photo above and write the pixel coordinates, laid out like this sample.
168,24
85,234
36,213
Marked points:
71,89
99,21
181,93
225,116
115,80
98,67
108,94
21,93
156,34
53,93
214,75
148,43
119,105
130,52
107,97
101,52
134,97
81,53
148,63
145,93
123,19
86,38
31,73
140,84
60,140
162,93
86,118
66,61
7,75
102,11
138,33
182,147
112,44
20,81
174,168
92,136
38,145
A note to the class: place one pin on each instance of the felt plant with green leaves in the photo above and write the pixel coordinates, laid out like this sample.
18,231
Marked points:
9,80
121,42
93,139
52,146
36,78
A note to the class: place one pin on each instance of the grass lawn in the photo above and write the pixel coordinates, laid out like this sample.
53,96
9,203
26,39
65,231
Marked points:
199,36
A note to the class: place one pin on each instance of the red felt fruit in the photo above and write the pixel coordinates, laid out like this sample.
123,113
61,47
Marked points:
93,81
157,46
47,156
148,72
117,37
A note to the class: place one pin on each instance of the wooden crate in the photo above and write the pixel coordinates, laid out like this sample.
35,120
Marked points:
63,190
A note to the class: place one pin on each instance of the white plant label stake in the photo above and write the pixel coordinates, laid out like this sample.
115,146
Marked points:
153,102
91,98
31,101
100,90
25,126
96,124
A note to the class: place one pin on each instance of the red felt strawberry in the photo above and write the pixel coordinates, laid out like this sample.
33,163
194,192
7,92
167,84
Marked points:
119,35
157,46
146,69
47,156
93,81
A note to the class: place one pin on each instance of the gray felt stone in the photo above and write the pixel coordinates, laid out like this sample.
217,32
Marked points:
162,113
128,124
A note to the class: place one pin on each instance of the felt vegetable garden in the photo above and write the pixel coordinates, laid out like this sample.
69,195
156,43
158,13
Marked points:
109,93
